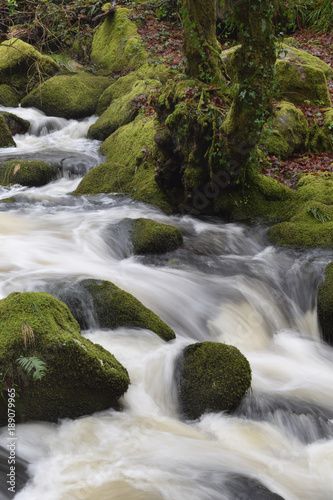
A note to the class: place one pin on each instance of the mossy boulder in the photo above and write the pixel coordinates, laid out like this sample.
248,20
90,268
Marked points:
212,377
68,96
150,237
8,97
28,173
103,303
325,305
131,162
16,124
117,45
286,133
320,138
81,377
287,53
299,82
122,110
6,138
21,63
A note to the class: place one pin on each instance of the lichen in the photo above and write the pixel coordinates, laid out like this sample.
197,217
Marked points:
212,377
68,96
76,382
117,45
26,172
151,237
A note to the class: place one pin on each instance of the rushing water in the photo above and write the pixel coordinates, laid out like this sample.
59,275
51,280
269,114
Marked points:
225,284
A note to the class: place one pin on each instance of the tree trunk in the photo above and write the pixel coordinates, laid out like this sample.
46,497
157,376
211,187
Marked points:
201,48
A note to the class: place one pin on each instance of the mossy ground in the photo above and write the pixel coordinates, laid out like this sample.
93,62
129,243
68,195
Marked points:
212,377
325,304
150,237
68,96
81,377
26,172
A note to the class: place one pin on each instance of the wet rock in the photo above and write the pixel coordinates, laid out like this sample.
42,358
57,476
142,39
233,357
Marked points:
80,378
245,488
150,237
27,173
6,138
325,305
212,377
15,124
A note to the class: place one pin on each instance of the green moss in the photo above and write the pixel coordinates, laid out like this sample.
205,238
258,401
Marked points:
115,308
21,62
15,124
6,138
131,161
316,187
212,377
286,133
122,110
285,52
8,97
301,235
68,96
300,82
81,377
320,138
117,45
27,173
325,305
11,199
152,237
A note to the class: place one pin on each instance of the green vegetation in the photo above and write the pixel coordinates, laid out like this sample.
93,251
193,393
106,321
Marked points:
212,377
325,305
150,237
6,138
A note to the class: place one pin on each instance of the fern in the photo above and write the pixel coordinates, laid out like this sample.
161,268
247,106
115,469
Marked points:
33,365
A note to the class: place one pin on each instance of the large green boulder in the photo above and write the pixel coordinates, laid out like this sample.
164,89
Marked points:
80,378
212,377
21,63
286,52
108,306
117,45
6,138
325,305
286,133
26,172
123,109
68,96
299,82
130,167
150,237
8,97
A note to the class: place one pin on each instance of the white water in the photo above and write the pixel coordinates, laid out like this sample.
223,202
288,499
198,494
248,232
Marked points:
226,284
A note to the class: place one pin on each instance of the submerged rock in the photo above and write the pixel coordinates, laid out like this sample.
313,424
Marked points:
325,305
150,237
212,377
103,303
68,96
117,45
26,172
80,378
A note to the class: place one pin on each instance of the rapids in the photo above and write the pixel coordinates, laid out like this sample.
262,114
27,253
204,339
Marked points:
225,284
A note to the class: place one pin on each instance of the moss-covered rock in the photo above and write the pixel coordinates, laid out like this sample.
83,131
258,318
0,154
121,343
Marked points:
320,138
325,305
68,96
26,172
111,307
122,110
8,97
299,82
6,138
16,124
80,378
21,63
287,53
117,45
286,133
151,237
211,377
131,161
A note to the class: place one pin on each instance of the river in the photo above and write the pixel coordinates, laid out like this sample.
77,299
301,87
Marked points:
226,284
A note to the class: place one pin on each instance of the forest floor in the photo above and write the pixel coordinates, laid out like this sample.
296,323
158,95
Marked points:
163,39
